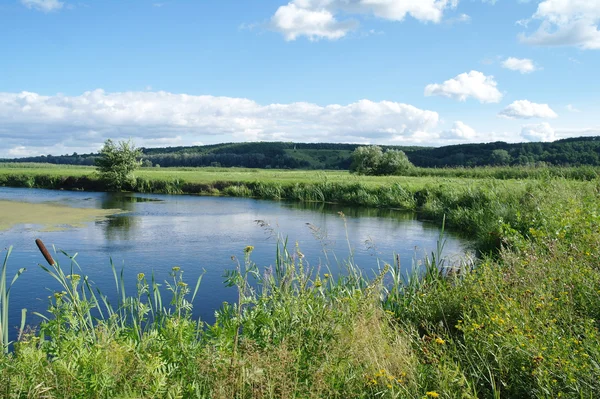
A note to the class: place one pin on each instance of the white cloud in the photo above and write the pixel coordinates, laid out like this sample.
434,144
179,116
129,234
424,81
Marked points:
43,5
40,123
567,23
473,84
21,151
460,131
294,21
539,132
523,65
524,109
571,108
317,19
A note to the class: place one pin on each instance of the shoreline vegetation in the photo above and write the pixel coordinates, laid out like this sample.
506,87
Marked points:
522,323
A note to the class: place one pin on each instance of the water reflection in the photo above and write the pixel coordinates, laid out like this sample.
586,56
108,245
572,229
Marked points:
155,233
121,226
351,211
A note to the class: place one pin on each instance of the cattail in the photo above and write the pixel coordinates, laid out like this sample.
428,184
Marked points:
45,252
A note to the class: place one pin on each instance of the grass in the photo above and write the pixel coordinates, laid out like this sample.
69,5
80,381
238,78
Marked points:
521,323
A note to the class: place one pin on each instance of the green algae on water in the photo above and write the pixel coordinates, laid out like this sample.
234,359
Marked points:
49,217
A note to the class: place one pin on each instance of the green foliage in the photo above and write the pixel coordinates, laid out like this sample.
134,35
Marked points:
578,151
500,157
520,324
373,161
5,288
117,162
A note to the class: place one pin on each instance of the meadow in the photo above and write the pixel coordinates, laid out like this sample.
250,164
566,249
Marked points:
520,322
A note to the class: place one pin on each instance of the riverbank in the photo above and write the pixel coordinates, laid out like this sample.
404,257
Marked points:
523,323
478,207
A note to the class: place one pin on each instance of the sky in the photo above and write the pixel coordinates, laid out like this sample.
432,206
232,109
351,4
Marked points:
74,73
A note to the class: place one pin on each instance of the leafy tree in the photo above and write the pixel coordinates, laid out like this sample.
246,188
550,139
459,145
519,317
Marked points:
373,161
117,163
500,157
393,162
365,160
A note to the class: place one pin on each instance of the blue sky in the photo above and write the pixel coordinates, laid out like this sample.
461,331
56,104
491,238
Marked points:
182,72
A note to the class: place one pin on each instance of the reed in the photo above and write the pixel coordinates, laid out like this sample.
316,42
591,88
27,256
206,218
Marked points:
5,288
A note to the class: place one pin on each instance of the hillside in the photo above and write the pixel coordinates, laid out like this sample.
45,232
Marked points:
286,155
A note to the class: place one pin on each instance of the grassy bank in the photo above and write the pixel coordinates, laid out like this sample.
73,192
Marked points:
523,324
481,207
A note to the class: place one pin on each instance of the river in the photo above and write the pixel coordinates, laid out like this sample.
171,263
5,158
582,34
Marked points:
153,233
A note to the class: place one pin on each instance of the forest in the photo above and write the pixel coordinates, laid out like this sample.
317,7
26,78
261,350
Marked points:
286,155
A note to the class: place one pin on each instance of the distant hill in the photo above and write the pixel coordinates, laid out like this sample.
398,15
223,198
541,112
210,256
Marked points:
286,155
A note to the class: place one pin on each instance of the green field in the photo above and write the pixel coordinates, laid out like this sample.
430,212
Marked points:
521,322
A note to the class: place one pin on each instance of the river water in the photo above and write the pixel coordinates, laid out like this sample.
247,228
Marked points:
156,232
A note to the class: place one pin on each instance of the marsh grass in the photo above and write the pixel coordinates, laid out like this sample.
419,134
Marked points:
5,288
521,322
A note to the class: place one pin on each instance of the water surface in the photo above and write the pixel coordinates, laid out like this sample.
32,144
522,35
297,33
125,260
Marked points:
157,232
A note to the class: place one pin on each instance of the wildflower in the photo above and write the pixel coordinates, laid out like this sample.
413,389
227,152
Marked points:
176,269
440,341
389,386
249,249
141,276
182,284
326,275
74,277
432,394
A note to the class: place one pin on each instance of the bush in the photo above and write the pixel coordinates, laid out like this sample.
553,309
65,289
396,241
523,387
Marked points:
117,163
373,161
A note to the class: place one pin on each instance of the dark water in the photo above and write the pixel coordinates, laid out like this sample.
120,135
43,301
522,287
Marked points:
158,232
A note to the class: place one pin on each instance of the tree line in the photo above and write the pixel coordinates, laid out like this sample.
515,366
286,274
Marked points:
285,155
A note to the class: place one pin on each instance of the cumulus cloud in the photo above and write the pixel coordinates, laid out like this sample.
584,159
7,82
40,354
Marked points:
459,131
524,109
523,65
538,132
43,5
293,21
572,108
37,122
318,19
566,23
473,84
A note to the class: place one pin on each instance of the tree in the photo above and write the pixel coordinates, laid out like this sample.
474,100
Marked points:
393,162
365,160
373,161
117,162
500,157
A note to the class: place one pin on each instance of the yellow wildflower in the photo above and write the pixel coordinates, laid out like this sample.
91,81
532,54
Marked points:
432,394
440,341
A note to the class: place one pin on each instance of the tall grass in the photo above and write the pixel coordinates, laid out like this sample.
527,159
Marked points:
5,288
522,323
